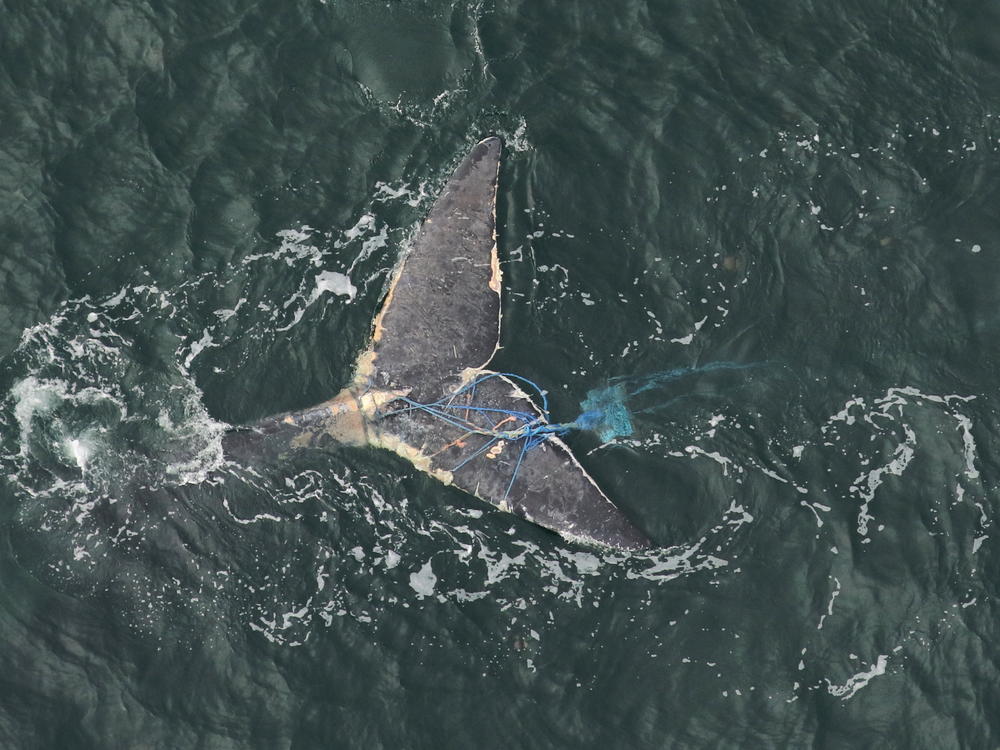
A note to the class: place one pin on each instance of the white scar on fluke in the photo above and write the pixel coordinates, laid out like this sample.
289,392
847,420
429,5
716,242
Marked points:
422,388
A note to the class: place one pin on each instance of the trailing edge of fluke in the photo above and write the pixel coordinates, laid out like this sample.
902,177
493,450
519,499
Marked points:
422,389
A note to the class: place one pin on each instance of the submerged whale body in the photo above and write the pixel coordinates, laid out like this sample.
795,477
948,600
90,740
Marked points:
421,389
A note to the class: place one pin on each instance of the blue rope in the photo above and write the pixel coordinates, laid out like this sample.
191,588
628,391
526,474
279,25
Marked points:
532,429
520,457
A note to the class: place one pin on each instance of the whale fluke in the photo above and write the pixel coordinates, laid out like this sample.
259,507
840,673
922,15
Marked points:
421,389
442,312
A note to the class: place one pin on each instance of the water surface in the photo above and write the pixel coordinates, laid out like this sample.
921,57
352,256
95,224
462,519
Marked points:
808,187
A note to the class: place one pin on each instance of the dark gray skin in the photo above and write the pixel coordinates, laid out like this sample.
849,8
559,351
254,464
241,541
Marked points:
438,328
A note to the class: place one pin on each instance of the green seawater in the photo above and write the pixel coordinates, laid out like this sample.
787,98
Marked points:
200,207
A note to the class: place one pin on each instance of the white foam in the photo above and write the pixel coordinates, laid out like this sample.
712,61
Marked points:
80,451
868,483
968,446
293,247
518,140
385,193
737,515
198,347
829,607
694,450
30,397
424,580
337,283
858,681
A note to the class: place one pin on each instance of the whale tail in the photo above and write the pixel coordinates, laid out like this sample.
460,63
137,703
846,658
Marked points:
421,389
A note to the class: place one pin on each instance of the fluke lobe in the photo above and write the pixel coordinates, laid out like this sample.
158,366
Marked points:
422,389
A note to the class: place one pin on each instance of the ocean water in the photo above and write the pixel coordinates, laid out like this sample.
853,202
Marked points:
200,207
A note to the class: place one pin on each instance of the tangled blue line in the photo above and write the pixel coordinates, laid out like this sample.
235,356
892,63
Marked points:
532,429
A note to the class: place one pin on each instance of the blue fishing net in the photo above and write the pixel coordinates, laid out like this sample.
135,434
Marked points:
605,412
611,411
